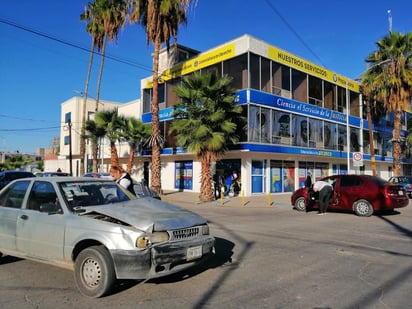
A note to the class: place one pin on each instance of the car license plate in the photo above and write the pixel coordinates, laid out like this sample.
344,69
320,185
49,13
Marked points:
194,253
400,192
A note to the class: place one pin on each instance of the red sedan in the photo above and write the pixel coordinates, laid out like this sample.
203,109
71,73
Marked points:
362,194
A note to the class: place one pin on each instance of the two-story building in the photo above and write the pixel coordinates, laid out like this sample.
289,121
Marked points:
301,119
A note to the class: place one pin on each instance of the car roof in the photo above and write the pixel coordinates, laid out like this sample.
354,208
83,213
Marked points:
15,172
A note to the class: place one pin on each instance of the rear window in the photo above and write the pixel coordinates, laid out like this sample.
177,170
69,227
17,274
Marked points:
403,179
379,181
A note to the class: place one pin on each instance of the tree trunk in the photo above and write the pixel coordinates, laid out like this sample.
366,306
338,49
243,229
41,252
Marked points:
156,163
206,185
83,129
99,80
371,142
114,158
95,151
396,143
130,160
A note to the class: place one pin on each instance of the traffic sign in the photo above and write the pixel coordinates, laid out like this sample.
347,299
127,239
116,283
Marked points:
357,159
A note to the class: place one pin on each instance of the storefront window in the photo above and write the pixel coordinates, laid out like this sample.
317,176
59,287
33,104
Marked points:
184,175
258,176
282,176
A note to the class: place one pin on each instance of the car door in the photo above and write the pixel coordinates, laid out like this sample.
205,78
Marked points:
348,188
333,180
11,201
41,234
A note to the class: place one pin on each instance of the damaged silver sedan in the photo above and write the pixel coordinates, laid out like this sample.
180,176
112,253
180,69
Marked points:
99,230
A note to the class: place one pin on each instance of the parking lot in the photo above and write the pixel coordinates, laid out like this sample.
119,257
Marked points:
267,256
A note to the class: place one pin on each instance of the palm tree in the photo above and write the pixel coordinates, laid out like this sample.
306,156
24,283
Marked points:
94,27
135,133
206,121
390,76
112,17
113,123
94,133
161,20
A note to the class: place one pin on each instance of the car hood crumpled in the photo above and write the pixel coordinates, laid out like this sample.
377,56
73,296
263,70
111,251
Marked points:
145,212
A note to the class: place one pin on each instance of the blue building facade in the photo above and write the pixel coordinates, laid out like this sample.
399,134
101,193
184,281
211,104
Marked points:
302,119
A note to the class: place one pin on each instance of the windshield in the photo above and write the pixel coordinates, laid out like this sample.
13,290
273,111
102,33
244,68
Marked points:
93,193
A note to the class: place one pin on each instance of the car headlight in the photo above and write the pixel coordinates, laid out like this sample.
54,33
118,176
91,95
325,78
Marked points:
147,240
157,237
142,242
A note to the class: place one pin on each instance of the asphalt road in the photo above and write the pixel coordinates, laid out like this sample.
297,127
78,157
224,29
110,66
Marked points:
267,256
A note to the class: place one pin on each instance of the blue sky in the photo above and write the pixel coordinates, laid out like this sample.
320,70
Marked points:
37,74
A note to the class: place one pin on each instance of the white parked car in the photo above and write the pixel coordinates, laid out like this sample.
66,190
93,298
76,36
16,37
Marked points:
99,230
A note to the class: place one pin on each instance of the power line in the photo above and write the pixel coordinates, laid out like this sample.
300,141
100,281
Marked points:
294,32
31,129
20,118
76,45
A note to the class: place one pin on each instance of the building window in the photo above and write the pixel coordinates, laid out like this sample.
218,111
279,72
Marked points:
147,100
259,124
265,75
354,140
67,117
315,91
302,131
299,86
237,69
281,126
254,71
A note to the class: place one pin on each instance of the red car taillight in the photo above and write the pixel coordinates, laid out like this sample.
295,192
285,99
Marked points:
395,191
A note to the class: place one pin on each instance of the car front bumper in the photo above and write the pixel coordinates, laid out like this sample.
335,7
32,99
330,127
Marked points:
160,260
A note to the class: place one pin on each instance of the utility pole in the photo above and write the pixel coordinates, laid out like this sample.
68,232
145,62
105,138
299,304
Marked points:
70,147
371,145
390,20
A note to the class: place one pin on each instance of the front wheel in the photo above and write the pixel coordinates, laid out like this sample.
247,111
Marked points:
300,204
363,208
94,273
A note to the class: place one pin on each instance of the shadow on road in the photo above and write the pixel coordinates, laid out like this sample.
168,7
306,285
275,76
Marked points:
404,231
7,259
222,256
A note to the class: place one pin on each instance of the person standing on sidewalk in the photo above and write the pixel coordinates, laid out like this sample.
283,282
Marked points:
122,178
325,190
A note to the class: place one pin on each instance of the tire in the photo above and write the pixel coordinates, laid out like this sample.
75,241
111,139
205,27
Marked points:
94,273
300,204
363,208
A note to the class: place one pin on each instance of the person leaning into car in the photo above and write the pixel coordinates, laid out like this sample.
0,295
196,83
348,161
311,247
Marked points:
325,190
122,178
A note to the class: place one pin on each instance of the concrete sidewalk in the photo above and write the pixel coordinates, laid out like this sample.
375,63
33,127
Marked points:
259,200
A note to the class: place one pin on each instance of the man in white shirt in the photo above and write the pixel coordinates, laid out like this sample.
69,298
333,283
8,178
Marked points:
325,190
